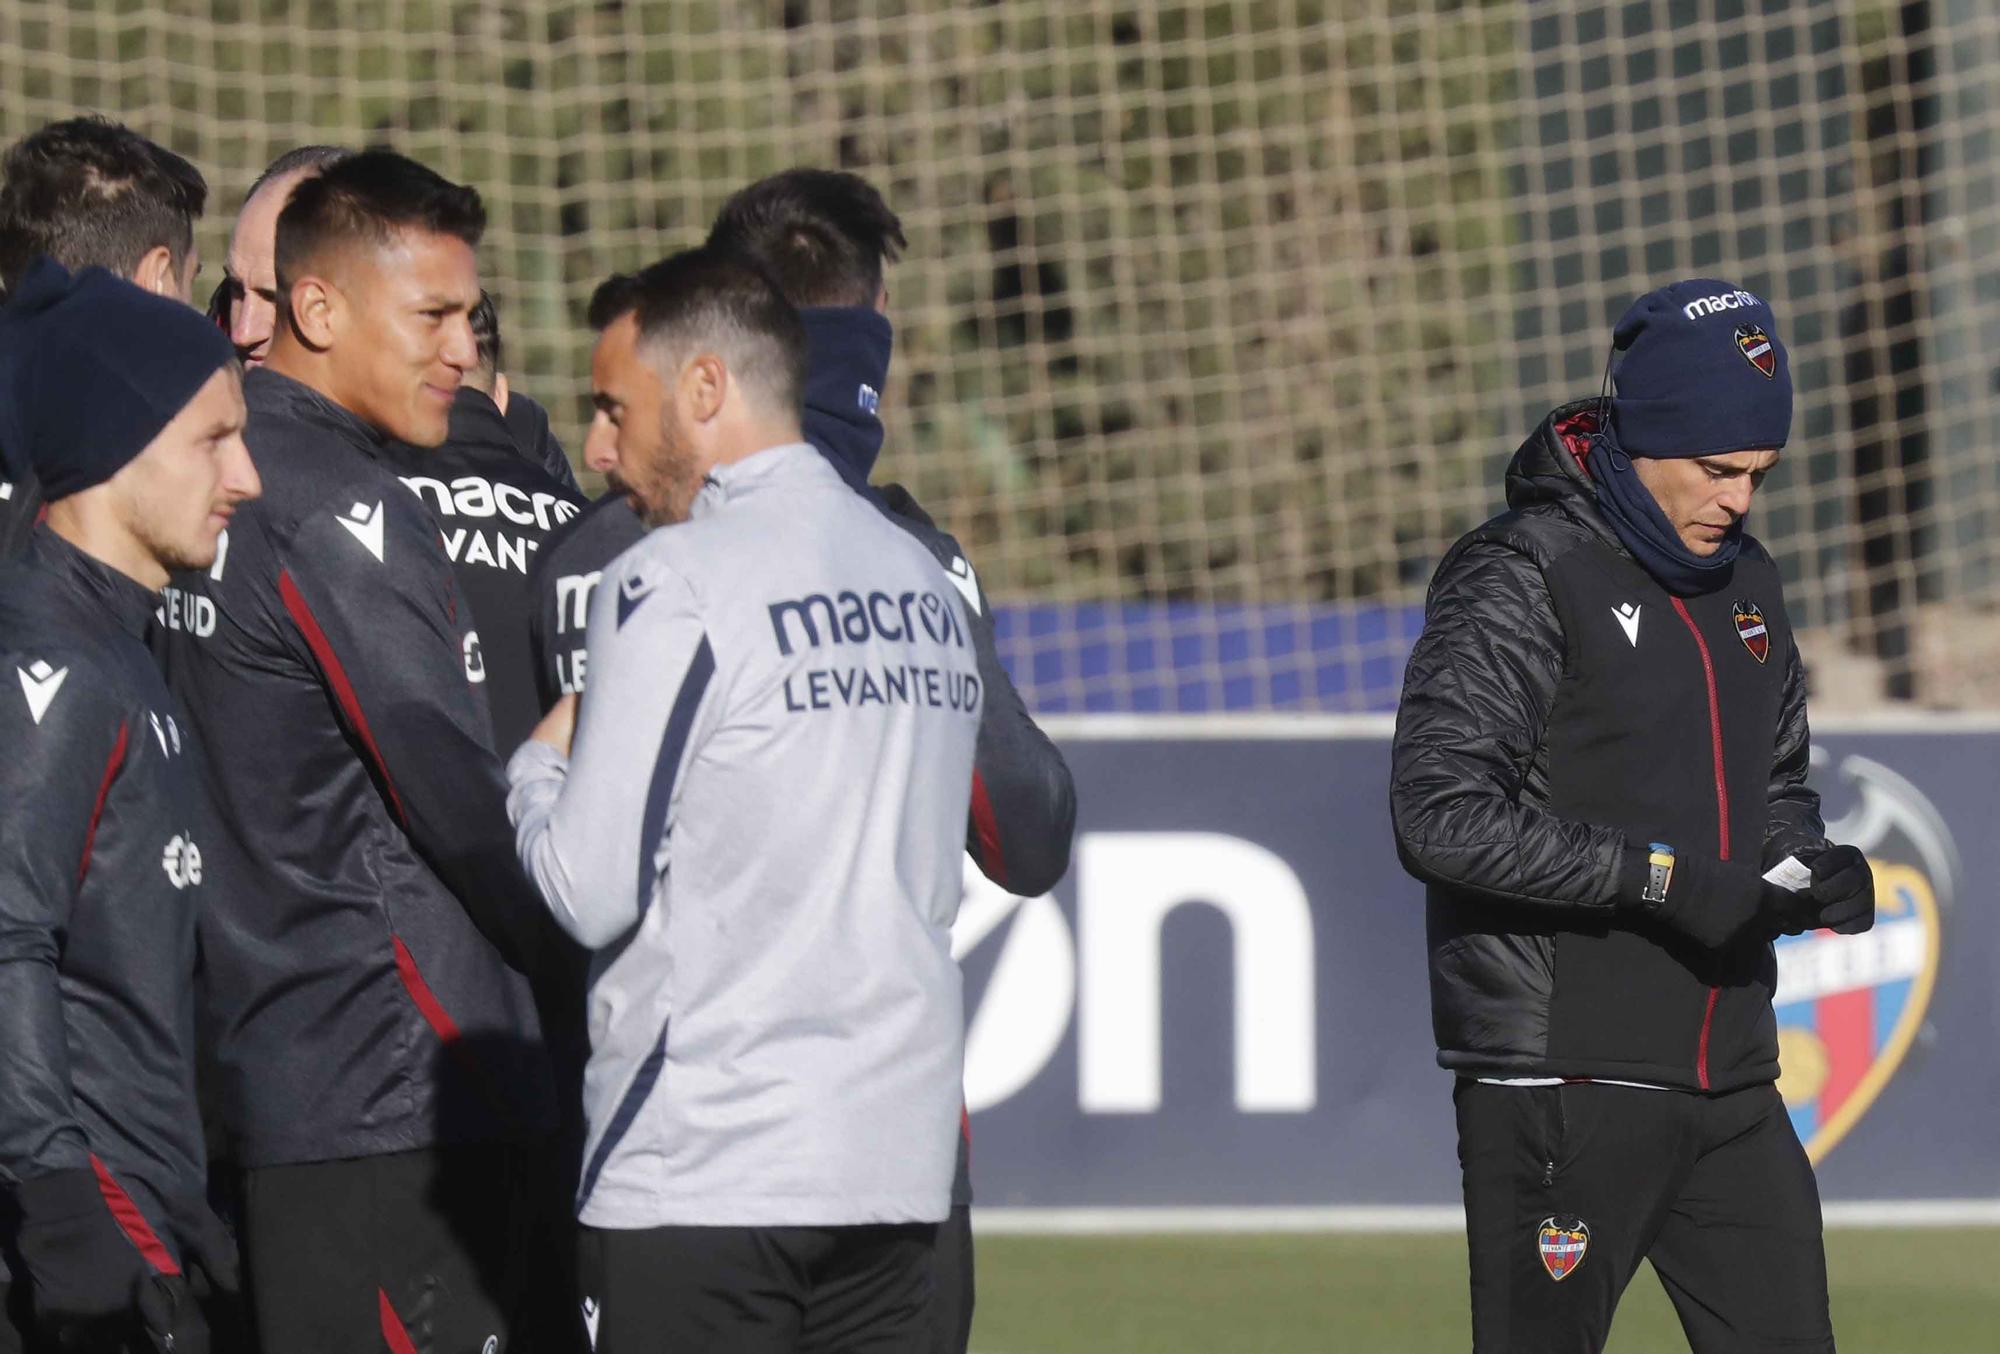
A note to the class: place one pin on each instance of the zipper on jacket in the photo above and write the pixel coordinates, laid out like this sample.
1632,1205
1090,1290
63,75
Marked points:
1721,811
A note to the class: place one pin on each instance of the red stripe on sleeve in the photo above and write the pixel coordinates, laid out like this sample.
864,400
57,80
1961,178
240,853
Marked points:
112,765
987,828
393,1334
420,992
343,689
134,1223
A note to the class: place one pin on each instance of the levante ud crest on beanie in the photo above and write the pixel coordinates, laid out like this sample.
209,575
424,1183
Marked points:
1750,628
1757,350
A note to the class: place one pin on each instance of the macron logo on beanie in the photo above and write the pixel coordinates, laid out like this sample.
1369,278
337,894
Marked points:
1713,305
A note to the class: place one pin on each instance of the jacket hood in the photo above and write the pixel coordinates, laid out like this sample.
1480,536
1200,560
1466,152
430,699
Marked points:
1548,467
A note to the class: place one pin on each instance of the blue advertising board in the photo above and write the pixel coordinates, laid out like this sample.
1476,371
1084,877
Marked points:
1225,1003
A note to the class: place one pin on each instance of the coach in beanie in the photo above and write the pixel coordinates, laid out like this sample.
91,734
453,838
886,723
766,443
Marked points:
1601,748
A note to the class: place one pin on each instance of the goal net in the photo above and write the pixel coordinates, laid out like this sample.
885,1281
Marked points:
1220,320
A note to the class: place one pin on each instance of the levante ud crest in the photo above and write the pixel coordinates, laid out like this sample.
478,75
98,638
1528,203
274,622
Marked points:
1562,1243
1849,1007
1757,349
1750,628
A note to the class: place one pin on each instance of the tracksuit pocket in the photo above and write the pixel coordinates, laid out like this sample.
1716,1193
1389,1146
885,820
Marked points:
1550,1131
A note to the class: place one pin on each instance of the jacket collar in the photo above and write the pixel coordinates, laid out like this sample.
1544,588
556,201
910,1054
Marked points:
126,600
477,421
270,392
790,463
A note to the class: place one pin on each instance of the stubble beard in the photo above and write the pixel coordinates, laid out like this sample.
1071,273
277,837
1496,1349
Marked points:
194,552
678,480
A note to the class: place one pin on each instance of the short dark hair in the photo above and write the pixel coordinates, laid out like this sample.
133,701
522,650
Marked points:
485,319
89,191
368,197
708,299
823,235
316,158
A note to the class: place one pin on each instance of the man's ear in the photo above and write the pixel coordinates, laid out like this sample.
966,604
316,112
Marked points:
705,386
315,311
155,273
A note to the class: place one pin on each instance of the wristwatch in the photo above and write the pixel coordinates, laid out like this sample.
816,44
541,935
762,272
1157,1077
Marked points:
1659,872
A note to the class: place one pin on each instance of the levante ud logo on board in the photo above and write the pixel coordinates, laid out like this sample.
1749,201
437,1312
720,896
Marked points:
1750,628
1757,349
1849,1007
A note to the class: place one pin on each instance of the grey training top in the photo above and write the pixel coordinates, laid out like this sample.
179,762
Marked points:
760,831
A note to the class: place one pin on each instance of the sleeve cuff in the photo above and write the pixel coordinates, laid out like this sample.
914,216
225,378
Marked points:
535,760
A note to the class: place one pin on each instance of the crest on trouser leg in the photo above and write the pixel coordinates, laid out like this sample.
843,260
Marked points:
1562,1243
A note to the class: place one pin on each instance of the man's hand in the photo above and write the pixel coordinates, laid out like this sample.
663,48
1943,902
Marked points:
1843,890
87,1278
558,726
1713,902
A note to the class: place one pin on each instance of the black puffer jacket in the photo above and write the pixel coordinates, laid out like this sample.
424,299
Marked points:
1561,710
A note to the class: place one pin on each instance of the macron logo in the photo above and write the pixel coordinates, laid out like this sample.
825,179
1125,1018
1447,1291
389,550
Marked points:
364,524
961,576
39,683
867,399
591,1314
631,592
1628,620
1714,305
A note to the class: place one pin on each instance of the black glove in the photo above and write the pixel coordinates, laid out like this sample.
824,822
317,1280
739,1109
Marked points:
86,1276
209,1245
1709,900
1843,890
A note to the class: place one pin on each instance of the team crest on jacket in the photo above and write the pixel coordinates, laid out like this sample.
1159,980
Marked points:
1848,1008
1750,628
1562,1243
1757,349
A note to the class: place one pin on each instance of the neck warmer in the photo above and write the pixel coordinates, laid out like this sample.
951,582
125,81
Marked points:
847,365
1628,505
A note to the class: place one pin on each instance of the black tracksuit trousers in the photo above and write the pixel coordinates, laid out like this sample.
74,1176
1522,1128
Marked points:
759,1290
1586,1179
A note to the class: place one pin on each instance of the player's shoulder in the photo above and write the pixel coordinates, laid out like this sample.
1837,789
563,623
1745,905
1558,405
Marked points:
900,506
942,548
60,683
605,529
653,567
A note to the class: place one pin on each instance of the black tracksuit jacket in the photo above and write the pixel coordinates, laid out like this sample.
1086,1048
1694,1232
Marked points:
105,859
1546,730
20,510
495,504
366,900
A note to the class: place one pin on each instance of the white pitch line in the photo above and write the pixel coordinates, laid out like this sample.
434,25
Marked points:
1433,1218
1305,727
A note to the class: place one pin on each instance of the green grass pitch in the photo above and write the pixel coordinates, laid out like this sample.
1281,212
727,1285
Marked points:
1895,1291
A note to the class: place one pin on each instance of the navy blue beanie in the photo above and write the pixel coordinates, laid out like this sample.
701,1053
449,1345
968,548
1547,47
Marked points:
92,367
1702,373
